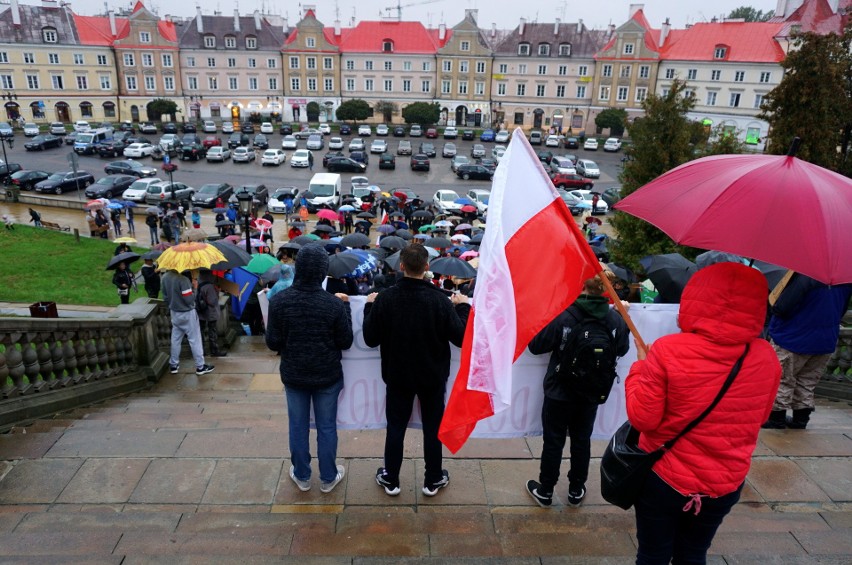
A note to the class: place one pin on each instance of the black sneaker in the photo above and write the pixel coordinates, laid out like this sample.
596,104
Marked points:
576,494
391,489
173,369
537,492
433,488
204,369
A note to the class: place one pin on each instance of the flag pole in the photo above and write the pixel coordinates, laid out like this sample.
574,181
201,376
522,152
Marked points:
640,343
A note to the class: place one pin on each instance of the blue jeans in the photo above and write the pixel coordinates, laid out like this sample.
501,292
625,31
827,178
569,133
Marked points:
325,416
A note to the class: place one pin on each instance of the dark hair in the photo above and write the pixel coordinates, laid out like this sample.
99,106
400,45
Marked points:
415,259
448,284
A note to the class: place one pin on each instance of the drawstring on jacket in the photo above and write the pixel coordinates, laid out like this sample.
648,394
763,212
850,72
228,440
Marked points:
694,502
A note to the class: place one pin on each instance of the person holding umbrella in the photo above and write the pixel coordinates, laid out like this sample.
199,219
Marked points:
151,277
123,280
153,227
207,305
178,293
128,215
196,218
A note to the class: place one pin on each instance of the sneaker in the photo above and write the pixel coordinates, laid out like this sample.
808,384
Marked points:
204,369
328,487
173,369
432,489
391,489
537,492
576,494
304,486
219,354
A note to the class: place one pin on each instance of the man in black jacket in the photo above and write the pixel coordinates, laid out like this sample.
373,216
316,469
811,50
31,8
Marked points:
412,322
566,409
309,327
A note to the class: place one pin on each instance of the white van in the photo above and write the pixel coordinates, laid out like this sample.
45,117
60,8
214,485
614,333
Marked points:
326,189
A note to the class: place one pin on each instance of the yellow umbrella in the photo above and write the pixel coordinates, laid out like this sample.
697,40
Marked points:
386,194
125,240
189,256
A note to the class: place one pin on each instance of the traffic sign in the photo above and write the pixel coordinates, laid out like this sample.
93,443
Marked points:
166,159
73,160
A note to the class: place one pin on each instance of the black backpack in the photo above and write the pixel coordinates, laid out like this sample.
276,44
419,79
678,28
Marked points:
200,302
587,357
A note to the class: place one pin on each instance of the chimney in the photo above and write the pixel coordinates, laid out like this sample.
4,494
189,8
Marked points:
664,31
493,29
556,27
442,32
781,8
611,29
522,26
336,28
16,13
471,15
257,22
236,20
112,27
635,8
580,26
286,25
199,24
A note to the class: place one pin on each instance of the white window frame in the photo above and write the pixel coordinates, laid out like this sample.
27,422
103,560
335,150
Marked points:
583,70
622,94
581,91
480,67
641,93
233,83
606,71
78,59
604,93
147,60
150,83
628,49
144,37
735,99
369,85
295,84
294,62
210,41
521,90
464,46
501,89
387,85
129,60
328,84
169,83
540,90
82,82
310,42
426,86
715,75
105,81
712,96
130,82
560,91
167,60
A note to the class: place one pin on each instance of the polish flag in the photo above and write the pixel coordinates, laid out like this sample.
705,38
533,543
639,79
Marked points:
385,218
533,262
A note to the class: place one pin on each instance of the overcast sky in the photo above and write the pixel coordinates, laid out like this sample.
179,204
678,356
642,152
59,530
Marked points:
505,13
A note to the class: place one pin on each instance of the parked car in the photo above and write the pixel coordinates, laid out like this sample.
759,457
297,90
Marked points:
419,162
331,155
365,130
272,157
458,161
480,197
188,127
266,127
449,150
562,164
63,181
357,144
445,201
502,136
42,142
260,142
211,141
611,195
570,181
81,126
477,151
301,159
31,129
137,191
487,135
227,127
544,156
345,129
588,195
552,141
27,179
138,150
133,168
247,127
378,146
399,131
109,186
238,139
450,132
259,193
467,135
403,147
158,153
242,154
282,200
70,138
488,163
209,127
387,161
218,153
169,127
431,133
591,144
7,170
572,143
306,133
285,129
57,128
111,148
415,130
536,137
588,169
147,127
169,141
316,142
6,131
208,194
497,152
576,204
336,143
612,144
162,192
192,151
427,149
289,142
475,171
360,156
345,165
382,129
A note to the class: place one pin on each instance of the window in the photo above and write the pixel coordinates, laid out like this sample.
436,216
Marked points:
368,65
147,60
503,68
388,65
446,86
464,66
758,100
581,92
350,65
715,74
129,60
628,49
102,60
691,74
689,93
711,98
560,91
57,82
604,93
169,82
273,83
752,136
387,46
130,82
150,83
106,83
211,61
447,66
230,42
406,65
739,76
144,37
542,69
86,109
294,62
49,35
32,82
7,82
562,70
192,83
501,89
271,63
328,63
621,94
426,86
670,73
53,58
524,49
406,86
368,85
233,83
665,92
644,71
641,94
519,118
190,61
465,46
295,83
311,62
734,101
78,59
213,83
29,58
328,84
765,76
82,82
166,59
479,88
350,84
522,69
720,52
209,41
480,67
564,49
310,42
544,49
522,89
109,110
539,90
312,84
462,87
427,67
624,71
583,70
606,71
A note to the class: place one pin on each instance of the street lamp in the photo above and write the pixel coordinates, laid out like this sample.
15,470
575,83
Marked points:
245,199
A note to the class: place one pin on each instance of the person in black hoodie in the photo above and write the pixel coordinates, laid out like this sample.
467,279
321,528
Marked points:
412,321
309,327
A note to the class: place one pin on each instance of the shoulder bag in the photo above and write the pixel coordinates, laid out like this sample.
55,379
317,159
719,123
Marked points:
625,466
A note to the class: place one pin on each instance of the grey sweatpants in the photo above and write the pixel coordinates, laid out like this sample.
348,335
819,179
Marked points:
800,374
186,324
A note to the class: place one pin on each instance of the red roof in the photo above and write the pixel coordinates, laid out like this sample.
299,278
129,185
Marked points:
747,42
652,37
407,37
95,30
817,16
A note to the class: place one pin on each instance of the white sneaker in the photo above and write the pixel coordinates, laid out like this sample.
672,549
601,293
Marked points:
304,486
328,487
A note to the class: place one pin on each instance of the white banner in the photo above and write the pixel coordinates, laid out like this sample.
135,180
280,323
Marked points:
362,402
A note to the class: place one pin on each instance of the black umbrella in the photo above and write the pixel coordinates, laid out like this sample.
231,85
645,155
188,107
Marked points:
380,252
291,244
393,242
711,257
397,215
324,228
364,223
392,261
452,267
235,256
773,273
422,214
621,272
404,234
438,242
152,255
355,240
224,223
669,273
295,219
127,257
342,264
365,215
302,240
271,274
476,238
307,194
219,210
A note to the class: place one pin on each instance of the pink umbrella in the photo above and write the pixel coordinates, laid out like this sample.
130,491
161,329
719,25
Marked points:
327,214
262,224
775,208
469,254
461,227
235,239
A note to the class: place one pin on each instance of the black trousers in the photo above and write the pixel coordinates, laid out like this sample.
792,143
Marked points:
398,407
209,331
575,418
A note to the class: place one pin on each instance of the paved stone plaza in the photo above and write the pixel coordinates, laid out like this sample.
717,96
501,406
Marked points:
195,470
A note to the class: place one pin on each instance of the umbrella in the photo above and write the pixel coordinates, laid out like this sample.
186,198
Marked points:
355,240
290,245
452,267
438,243
593,220
224,223
469,254
342,264
711,257
162,246
262,224
324,228
115,206
333,247
421,237
386,194
196,209
153,210
235,239
219,210
303,239
369,262
621,272
451,218
386,229
152,255
259,264
346,208
272,274
124,239
129,204
433,253
461,227
468,208
404,234
126,257
463,201
775,208
421,214
97,204
460,237
425,228
392,261
476,238
669,273
397,214
374,188
235,256
369,215
773,273
189,256
393,242
327,214
254,243
444,224
379,252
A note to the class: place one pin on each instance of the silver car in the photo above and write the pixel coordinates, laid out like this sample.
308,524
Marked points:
243,155
478,151
449,150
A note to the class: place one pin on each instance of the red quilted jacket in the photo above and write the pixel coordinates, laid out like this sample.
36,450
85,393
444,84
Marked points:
722,309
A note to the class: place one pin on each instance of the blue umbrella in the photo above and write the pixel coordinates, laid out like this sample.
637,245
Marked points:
346,208
385,229
129,204
463,201
115,206
369,262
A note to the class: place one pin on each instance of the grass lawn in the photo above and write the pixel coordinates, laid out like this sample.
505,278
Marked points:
43,265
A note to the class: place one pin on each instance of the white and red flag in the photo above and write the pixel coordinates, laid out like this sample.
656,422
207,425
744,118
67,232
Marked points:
533,262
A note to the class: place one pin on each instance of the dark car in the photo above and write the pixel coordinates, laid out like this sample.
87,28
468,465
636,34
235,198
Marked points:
109,186
70,138
544,156
475,171
331,155
572,143
360,156
345,129
209,193
487,135
111,148
259,193
7,170
489,163
260,142
611,195
399,131
126,167
192,151
42,142
419,162
237,139
211,141
26,180
158,152
345,165
428,149
57,183
188,127
247,127
467,134
127,126
570,182
285,129
431,133
190,138
387,161
167,127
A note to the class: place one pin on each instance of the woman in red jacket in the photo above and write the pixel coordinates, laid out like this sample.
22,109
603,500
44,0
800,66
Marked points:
697,482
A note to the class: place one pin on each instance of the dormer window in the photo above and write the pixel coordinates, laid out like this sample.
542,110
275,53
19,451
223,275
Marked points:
251,42
387,46
144,37
524,49
720,52
544,49
310,42
230,42
564,49
210,41
49,35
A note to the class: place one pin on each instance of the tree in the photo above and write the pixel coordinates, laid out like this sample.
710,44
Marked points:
662,139
387,109
313,109
354,110
750,14
724,141
814,101
425,113
159,107
613,118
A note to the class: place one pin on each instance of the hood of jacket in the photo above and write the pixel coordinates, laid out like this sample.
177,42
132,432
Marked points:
595,306
311,268
725,302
